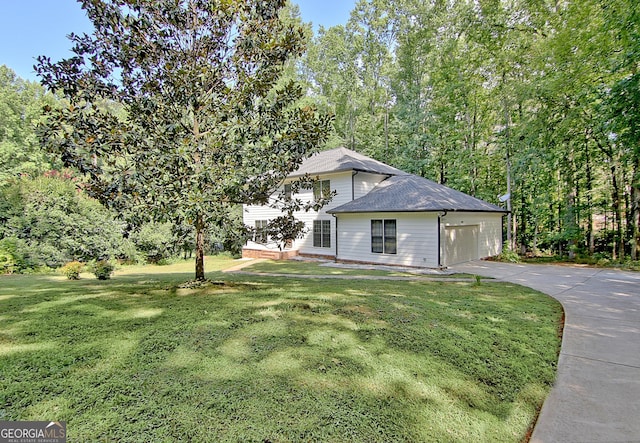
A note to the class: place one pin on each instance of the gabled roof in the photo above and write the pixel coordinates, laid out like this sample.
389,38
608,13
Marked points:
410,193
343,159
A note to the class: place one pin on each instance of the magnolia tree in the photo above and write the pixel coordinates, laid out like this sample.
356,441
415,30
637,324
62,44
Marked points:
178,110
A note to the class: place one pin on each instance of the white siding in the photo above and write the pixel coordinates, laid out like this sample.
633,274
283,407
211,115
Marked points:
364,182
340,182
489,232
251,213
417,239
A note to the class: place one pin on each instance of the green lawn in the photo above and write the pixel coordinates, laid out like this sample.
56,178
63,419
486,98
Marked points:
294,267
137,358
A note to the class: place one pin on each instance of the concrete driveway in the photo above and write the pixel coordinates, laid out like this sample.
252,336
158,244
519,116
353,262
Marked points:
596,396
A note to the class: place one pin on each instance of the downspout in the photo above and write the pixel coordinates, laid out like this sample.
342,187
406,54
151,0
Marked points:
501,234
353,185
336,236
440,215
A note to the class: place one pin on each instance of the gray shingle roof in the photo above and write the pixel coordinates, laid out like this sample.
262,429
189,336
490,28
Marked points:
343,159
410,193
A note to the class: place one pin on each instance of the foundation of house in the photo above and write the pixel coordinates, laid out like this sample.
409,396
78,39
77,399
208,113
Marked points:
267,254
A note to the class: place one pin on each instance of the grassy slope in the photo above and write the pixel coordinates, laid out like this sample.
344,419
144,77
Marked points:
137,358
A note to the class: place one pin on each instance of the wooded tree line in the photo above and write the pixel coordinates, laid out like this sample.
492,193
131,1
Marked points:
532,98
536,98
46,218
177,112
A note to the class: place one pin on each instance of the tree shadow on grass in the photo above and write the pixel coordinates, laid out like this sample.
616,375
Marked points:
259,359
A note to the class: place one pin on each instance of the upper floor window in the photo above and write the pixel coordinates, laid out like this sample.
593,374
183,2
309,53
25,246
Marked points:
321,189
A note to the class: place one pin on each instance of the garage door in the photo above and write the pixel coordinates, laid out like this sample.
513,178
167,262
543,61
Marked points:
460,244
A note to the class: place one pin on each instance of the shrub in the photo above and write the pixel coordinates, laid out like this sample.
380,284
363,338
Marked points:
632,265
154,240
102,269
128,254
55,223
7,260
508,256
72,270
14,256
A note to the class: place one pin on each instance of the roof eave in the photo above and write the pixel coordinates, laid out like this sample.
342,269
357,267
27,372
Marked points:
333,211
338,171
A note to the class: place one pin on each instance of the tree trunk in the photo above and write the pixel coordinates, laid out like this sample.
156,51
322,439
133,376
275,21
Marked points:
387,154
617,250
199,248
510,233
572,217
618,247
635,210
523,222
590,228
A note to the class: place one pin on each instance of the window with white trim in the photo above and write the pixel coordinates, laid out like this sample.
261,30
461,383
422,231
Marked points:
321,189
383,237
322,233
261,231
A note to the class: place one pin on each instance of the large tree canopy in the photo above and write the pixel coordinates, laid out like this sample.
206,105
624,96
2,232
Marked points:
536,100
20,110
176,109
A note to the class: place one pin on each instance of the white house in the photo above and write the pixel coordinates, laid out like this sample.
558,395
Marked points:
382,215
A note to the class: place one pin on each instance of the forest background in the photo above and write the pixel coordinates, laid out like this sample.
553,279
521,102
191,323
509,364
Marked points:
534,101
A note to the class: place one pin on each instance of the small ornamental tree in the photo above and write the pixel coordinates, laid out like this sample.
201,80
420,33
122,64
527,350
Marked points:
176,110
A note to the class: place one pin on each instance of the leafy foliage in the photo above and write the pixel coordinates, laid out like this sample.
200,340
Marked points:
537,100
102,269
47,221
508,256
175,111
20,110
154,240
72,270
14,256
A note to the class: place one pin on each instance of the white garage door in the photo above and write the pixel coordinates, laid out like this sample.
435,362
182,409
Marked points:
460,244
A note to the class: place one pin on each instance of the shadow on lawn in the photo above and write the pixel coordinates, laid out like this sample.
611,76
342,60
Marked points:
266,359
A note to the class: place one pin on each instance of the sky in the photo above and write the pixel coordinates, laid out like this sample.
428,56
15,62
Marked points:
29,28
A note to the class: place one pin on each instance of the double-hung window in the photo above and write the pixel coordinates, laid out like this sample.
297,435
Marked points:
261,231
321,189
383,236
322,234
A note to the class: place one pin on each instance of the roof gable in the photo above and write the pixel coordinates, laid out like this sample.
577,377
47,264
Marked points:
410,193
343,159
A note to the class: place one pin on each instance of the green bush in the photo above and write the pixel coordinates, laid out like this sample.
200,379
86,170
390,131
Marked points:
14,257
154,240
508,256
102,269
72,270
632,265
7,260
55,223
128,254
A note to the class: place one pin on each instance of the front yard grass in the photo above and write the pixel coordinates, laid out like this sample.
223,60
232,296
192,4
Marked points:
303,267
138,358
